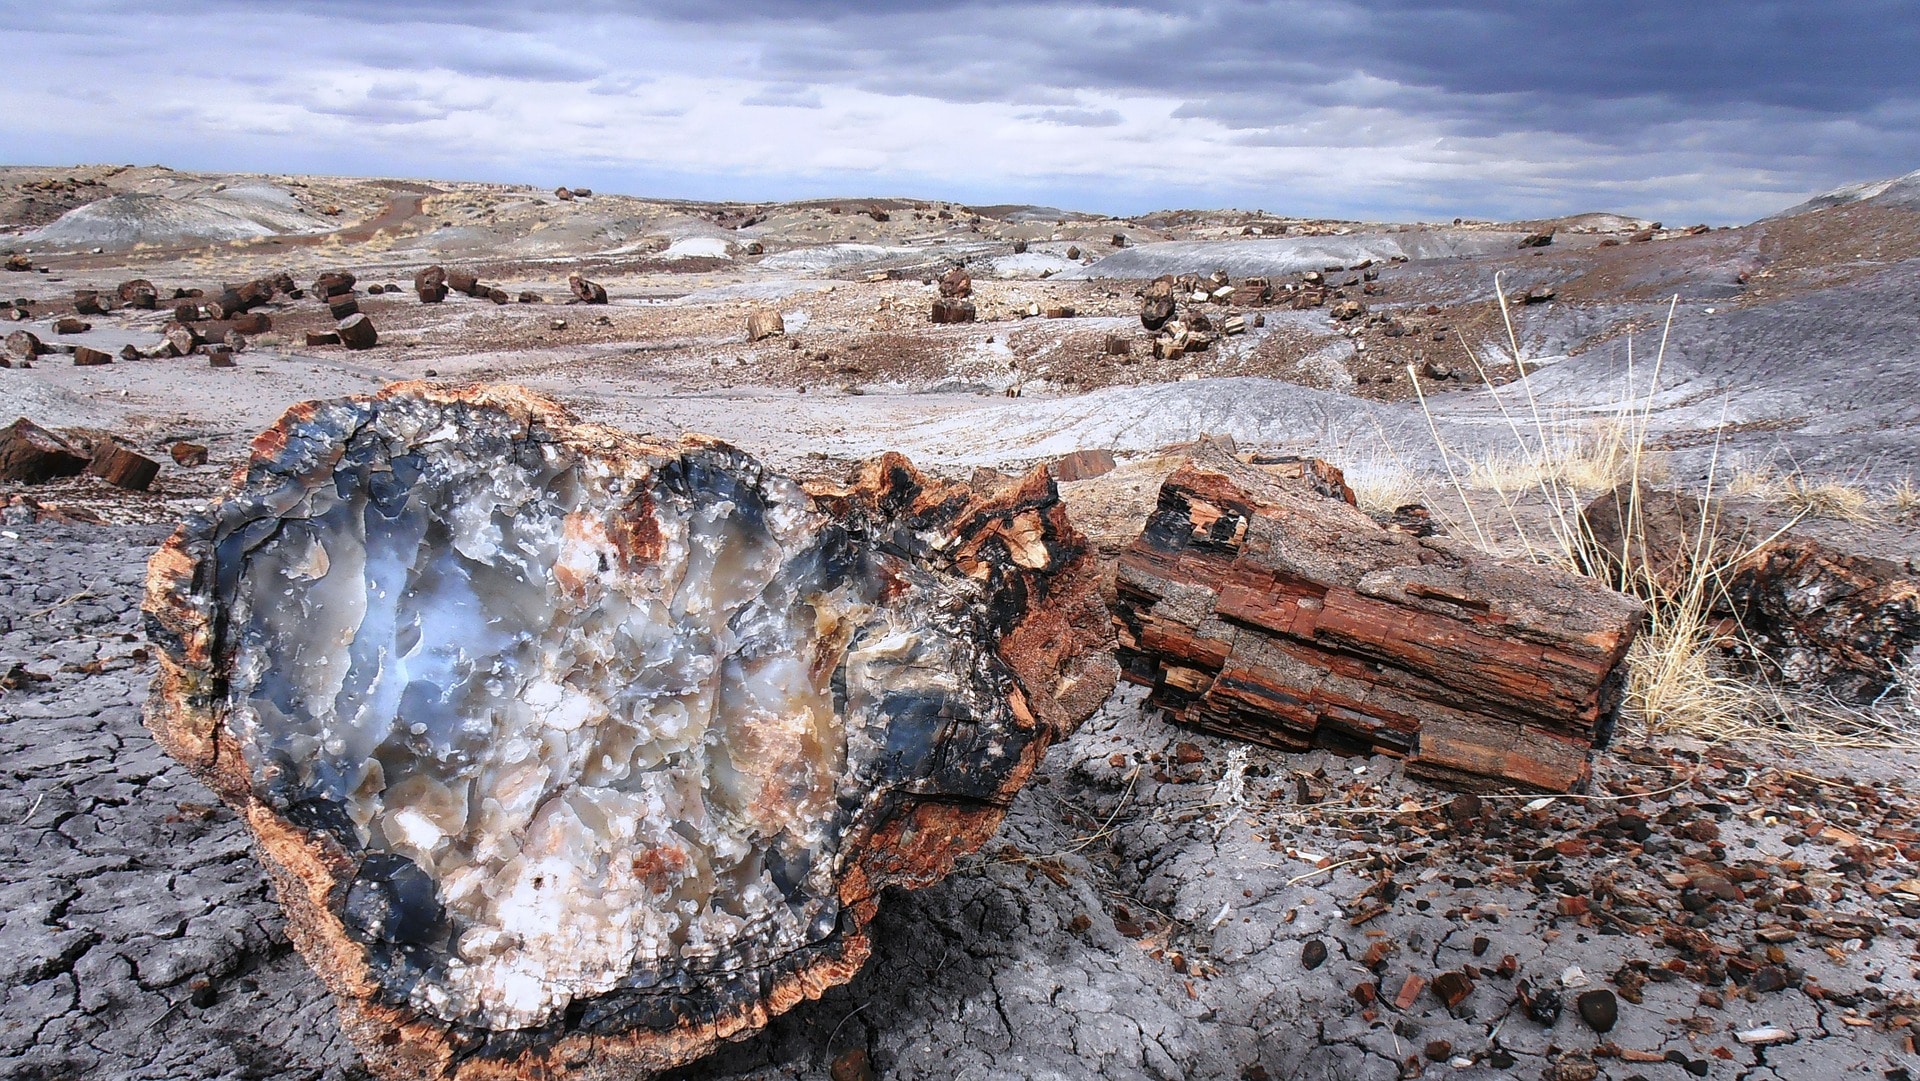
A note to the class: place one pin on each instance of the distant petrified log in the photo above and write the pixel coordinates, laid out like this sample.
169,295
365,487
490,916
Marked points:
1020,247
357,332
87,302
24,345
764,323
85,357
333,283
528,296
1263,605
29,454
497,295
70,325
589,787
181,338
218,356
1810,614
343,305
565,195
251,323
956,282
323,337
188,454
247,295
1537,240
462,280
122,467
1117,345
952,310
1157,302
586,292
138,293
431,284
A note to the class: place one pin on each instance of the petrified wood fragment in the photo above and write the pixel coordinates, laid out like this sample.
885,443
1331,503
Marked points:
953,310
333,283
1262,605
1157,302
430,284
764,323
357,332
573,754
956,282
29,454
122,466
586,292
1811,614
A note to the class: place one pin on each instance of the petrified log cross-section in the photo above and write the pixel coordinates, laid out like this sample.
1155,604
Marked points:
572,753
1259,607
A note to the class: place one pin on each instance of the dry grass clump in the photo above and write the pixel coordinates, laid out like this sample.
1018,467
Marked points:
1584,458
1381,485
1826,498
1902,502
1815,497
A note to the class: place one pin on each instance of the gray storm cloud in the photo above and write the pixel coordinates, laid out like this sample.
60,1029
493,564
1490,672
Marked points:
1387,108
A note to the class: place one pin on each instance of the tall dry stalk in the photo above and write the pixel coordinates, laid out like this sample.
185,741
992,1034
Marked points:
1676,681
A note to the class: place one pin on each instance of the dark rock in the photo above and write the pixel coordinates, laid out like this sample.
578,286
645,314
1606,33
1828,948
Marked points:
1452,988
1598,1009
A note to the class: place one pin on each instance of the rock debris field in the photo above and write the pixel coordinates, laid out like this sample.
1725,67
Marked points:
1158,902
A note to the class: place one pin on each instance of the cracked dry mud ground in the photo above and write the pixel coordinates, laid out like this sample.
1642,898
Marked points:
1141,915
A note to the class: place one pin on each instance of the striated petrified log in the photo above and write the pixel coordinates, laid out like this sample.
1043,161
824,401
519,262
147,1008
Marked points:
123,467
1262,605
573,754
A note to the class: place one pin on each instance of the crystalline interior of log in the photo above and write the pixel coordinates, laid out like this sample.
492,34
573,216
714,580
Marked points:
588,725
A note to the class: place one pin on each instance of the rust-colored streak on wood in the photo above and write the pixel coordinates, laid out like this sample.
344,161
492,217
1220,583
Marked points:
1258,603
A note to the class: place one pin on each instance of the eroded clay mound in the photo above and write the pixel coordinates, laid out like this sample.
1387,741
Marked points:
552,735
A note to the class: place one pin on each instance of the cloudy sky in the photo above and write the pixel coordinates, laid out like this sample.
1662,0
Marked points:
1697,110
